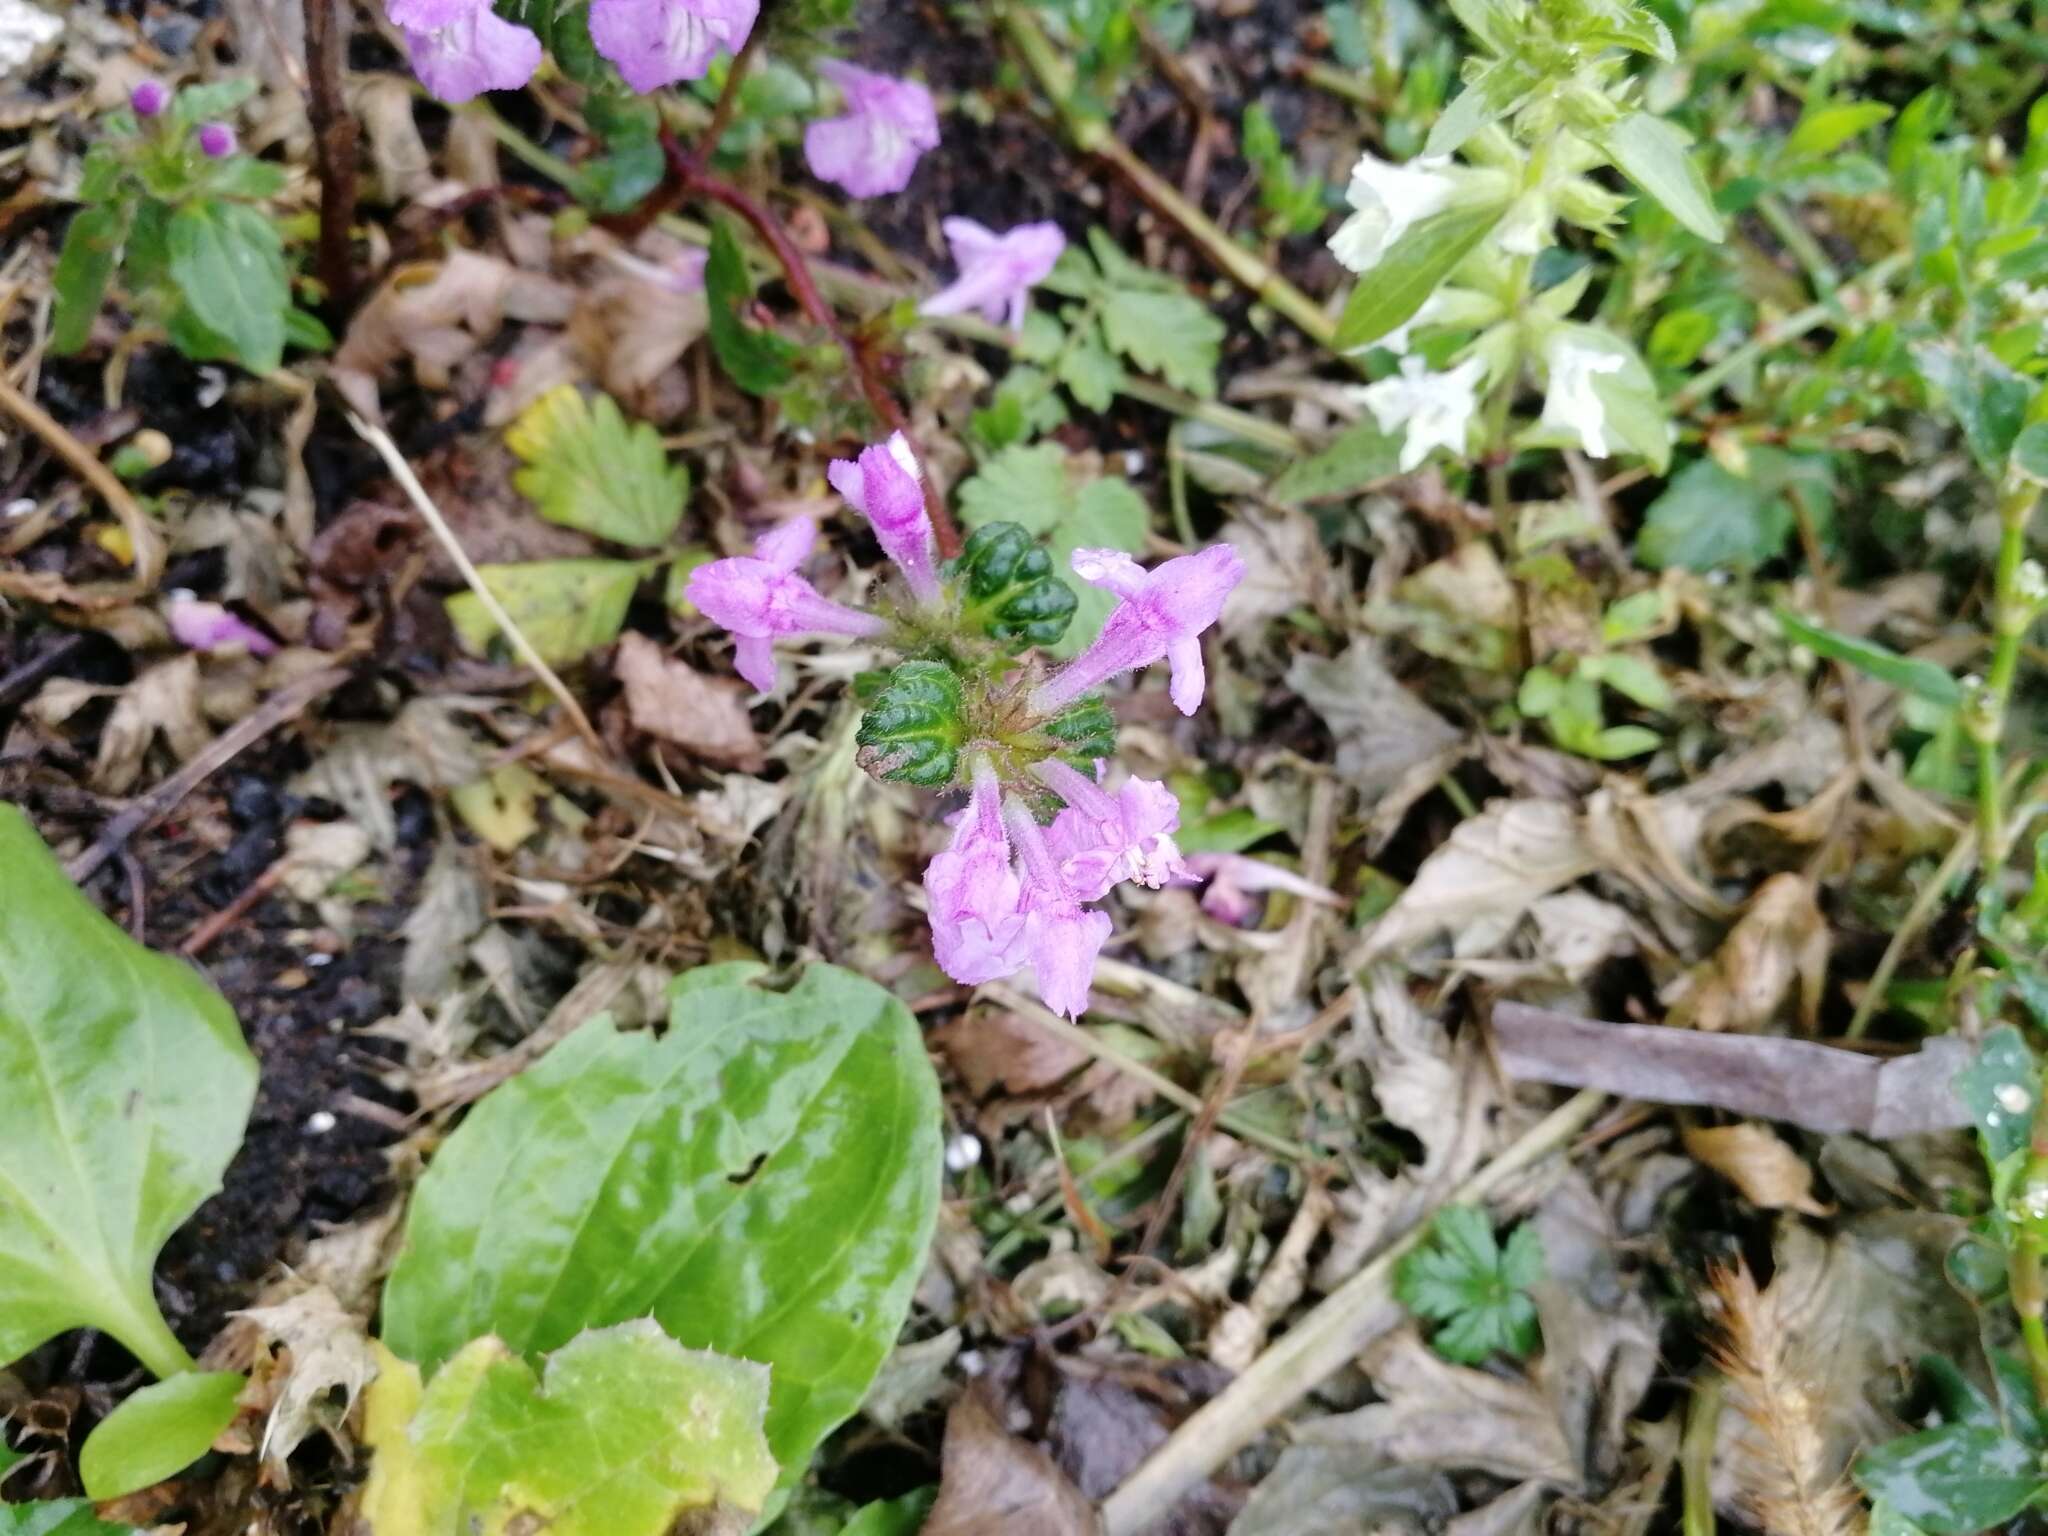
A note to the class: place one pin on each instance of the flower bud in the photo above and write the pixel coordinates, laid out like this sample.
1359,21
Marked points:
216,140
149,98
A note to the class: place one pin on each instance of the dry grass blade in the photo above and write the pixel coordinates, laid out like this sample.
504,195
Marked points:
1784,1474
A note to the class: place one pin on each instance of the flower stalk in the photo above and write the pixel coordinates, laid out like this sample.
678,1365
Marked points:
2019,591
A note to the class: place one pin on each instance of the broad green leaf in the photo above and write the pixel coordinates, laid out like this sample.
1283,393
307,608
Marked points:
1093,375
158,1432
760,362
1885,1520
2030,453
913,731
1829,128
1011,593
2000,1088
1657,156
761,1179
197,104
1952,1480
124,1087
57,1517
1361,455
1463,1279
588,467
1708,519
566,608
623,1433
1986,398
1921,678
1025,485
1170,334
1389,295
228,262
1230,831
92,249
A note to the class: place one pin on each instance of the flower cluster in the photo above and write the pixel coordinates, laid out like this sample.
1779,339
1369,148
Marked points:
152,98
1010,891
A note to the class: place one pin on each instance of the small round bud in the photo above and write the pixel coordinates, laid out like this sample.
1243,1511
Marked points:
216,140
149,98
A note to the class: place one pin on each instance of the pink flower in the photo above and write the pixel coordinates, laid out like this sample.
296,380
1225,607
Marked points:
996,271
658,42
149,98
972,895
761,599
203,626
216,140
1101,840
461,48
1233,878
1064,937
884,486
875,146
1162,615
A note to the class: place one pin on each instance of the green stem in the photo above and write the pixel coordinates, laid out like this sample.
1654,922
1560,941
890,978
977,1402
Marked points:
145,1335
1798,239
2012,613
2024,1266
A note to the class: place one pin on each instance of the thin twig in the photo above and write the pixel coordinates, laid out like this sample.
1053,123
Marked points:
1315,1348
334,146
729,96
522,647
281,706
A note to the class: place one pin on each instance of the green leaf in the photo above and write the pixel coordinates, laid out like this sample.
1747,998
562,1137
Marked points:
92,249
566,608
2000,1088
892,1517
913,732
1361,455
624,1433
1462,1279
588,467
1170,334
2030,453
1921,678
57,1517
197,104
1986,398
1657,156
1084,732
1092,374
1011,593
762,1179
1388,296
1230,831
1025,485
1827,129
158,1432
243,176
124,1087
760,362
1952,1480
228,262
1885,1520
1707,519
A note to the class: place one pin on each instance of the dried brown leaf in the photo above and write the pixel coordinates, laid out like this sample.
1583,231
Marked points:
1752,1158
164,701
325,1352
667,697
990,1480
994,1049
1382,730
1781,938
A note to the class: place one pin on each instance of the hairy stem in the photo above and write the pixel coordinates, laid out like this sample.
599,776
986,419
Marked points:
334,146
729,96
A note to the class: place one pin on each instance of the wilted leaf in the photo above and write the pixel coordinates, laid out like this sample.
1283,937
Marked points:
1781,938
989,1480
124,1087
327,1363
1462,608
624,1433
157,1432
1382,730
761,1179
566,608
1752,1158
669,698
588,467
1324,1490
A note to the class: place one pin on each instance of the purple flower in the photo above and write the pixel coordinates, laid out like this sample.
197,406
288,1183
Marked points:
216,140
149,98
1233,878
760,598
658,42
1064,937
1101,840
973,896
462,48
996,271
1162,615
203,626
884,485
874,147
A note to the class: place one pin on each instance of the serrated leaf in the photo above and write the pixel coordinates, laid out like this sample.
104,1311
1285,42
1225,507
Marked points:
124,1087
158,1432
1388,296
2000,1088
92,249
566,608
760,362
913,732
57,1517
1657,156
1954,1479
588,467
2030,453
1084,732
1091,372
1025,485
1924,679
624,1433
1011,592
1362,454
1462,1279
228,263
1170,334
761,1179
1709,519
1986,398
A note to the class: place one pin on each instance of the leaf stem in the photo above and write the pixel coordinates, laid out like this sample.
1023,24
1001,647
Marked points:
2013,609
729,96
146,1336
2024,1267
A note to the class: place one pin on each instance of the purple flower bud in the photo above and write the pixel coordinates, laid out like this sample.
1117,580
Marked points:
884,485
875,145
149,98
972,895
216,140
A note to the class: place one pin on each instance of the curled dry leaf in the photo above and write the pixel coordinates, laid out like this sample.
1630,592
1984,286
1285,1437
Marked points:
1780,938
668,698
990,1480
1752,1158
325,1353
164,701
1382,730
384,104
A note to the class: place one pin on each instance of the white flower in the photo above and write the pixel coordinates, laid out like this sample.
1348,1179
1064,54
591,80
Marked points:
1437,408
1396,341
1389,199
1572,405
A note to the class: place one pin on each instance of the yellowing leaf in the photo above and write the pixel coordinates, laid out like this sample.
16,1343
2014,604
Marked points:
566,608
624,1433
1751,1157
588,467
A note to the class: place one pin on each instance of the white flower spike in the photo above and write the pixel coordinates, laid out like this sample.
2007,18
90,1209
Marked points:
1436,408
1572,405
1389,199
